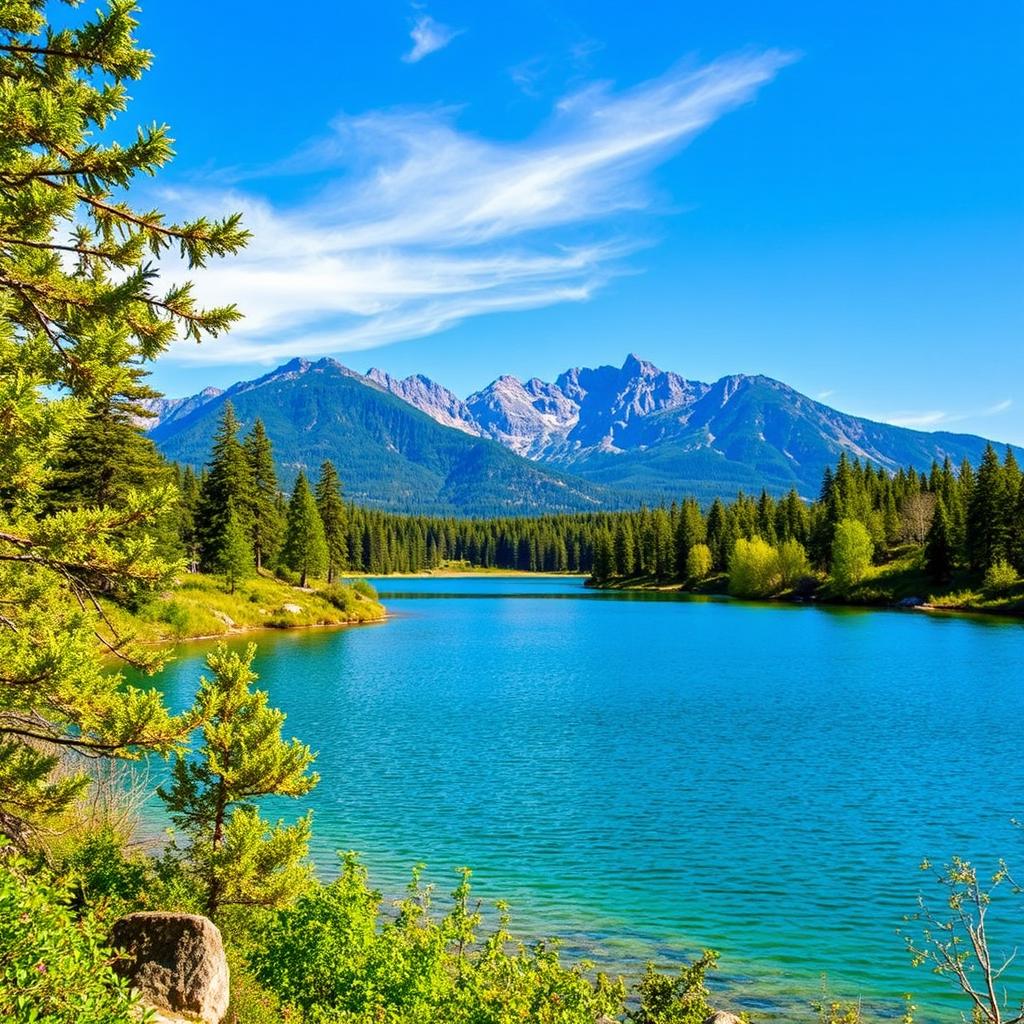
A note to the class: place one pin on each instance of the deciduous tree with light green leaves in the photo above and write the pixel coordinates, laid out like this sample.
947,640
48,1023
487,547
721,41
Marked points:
236,857
852,549
81,313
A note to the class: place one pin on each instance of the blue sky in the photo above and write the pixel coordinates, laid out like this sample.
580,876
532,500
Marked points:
832,195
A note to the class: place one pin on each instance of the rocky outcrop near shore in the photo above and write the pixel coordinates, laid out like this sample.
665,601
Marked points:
176,962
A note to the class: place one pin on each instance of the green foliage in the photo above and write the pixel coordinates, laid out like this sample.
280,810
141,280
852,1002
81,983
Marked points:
54,965
227,488
267,524
332,515
794,566
305,547
336,957
83,499
698,562
754,569
1001,576
235,560
852,549
679,999
234,855
938,548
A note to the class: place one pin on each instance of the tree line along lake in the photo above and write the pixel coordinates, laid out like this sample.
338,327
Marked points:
645,775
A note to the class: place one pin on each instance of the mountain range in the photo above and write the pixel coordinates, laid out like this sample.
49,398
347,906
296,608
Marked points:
594,438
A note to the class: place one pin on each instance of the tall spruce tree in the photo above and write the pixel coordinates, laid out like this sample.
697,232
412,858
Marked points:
81,314
305,548
235,559
267,523
938,546
986,522
332,515
234,855
228,485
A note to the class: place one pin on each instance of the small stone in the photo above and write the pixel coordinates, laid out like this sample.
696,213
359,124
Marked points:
292,609
721,1017
225,618
176,961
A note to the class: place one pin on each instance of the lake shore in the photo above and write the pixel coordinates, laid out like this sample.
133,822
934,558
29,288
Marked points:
201,608
867,597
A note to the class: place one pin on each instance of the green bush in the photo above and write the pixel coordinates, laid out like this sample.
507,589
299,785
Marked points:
675,999
794,566
343,598
852,550
364,589
754,569
1001,576
334,957
54,967
698,562
104,878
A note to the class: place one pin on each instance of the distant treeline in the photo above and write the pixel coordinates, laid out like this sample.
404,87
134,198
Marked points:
232,517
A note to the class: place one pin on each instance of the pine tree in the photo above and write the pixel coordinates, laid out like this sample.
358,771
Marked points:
228,484
305,548
235,559
625,549
234,855
332,515
604,556
81,315
938,547
986,524
267,524
188,510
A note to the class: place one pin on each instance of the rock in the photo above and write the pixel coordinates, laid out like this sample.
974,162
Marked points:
292,609
176,961
721,1017
225,618
910,602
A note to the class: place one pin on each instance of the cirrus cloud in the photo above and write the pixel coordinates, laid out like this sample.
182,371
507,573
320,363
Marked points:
417,225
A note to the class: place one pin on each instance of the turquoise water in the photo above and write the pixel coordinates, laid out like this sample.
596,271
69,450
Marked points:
649,776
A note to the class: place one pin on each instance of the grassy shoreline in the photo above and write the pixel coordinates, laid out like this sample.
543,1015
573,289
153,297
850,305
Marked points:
885,586
201,608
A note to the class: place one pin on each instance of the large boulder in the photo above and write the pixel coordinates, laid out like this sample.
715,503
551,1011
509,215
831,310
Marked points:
176,961
721,1017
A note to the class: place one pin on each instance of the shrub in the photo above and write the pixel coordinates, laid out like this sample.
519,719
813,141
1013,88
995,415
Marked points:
364,589
53,967
176,616
343,598
754,569
1001,576
698,562
679,999
333,957
106,879
793,564
852,549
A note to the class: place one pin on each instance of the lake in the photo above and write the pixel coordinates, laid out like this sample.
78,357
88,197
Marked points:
646,776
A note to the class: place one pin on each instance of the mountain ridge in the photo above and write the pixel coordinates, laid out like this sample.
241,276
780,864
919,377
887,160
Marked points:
639,432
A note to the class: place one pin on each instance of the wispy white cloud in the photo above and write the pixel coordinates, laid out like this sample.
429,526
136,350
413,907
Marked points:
422,226
428,36
995,410
918,419
937,418
822,395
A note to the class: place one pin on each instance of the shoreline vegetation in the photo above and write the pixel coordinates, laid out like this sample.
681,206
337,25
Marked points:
892,587
199,607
